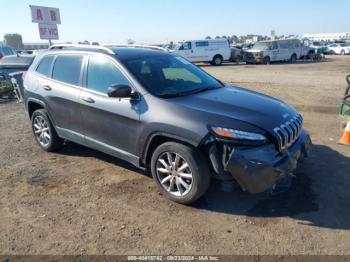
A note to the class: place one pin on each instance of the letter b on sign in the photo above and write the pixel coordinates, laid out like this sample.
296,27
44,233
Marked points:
53,16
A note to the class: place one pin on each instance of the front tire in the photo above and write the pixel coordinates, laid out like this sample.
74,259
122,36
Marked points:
342,52
266,60
181,172
44,132
293,59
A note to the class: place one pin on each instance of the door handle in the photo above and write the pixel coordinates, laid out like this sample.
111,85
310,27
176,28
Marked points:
88,99
47,88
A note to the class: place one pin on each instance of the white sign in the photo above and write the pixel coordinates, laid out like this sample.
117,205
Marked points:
45,15
48,31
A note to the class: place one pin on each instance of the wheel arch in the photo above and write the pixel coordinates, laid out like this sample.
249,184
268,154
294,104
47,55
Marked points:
33,105
159,138
218,55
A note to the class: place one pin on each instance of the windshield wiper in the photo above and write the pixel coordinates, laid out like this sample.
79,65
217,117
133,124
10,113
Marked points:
200,90
195,91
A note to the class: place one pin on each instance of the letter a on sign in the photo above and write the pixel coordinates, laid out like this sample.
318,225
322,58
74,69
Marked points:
45,15
39,15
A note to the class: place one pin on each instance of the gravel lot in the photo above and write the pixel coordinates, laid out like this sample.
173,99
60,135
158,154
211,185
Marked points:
80,201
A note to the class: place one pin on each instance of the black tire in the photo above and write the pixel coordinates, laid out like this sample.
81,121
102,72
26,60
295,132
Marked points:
293,59
55,142
198,166
342,52
217,60
266,60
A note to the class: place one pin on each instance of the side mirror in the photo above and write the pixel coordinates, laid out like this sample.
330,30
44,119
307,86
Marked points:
121,91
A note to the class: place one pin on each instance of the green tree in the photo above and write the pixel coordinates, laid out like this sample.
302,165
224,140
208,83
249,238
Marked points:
13,40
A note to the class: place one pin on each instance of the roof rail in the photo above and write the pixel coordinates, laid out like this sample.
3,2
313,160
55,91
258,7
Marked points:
95,47
138,46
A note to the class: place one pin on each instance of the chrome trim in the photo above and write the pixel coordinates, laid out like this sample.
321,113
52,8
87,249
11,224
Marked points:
287,133
92,47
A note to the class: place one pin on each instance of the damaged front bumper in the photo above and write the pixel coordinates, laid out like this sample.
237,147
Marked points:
258,169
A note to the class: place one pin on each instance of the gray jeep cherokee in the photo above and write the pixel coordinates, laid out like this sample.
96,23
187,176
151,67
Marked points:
159,112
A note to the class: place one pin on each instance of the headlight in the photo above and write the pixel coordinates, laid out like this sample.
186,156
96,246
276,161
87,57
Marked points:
237,134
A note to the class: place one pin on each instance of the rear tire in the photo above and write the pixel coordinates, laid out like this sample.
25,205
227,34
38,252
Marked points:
217,60
179,184
342,52
44,133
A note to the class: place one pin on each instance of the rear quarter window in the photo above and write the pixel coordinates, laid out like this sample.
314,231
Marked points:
67,69
44,66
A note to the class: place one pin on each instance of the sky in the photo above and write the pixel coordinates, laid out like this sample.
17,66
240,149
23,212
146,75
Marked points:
161,21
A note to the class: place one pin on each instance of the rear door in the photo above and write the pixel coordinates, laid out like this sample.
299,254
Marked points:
61,94
110,124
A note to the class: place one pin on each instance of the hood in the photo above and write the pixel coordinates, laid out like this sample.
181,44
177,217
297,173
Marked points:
261,111
253,50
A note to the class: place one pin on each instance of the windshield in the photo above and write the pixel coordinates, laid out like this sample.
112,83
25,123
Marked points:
262,45
176,46
169,76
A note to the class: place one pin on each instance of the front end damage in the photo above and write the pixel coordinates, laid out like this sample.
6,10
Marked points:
256,168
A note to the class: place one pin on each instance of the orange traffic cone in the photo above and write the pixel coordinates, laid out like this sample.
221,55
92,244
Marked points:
345,140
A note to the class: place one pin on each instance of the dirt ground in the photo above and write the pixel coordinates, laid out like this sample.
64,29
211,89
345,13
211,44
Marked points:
80,201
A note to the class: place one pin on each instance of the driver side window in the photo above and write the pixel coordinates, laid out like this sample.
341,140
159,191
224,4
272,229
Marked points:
101,74
274,46
186,46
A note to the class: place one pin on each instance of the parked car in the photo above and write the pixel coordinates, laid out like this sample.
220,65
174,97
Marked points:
272,51
339,48
13,68
319,47
6,51
160,112
214,51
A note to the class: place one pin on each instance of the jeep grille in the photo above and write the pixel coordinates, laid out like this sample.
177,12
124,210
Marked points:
288,133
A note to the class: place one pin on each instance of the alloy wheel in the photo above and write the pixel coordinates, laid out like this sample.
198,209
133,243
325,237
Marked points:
42,131
174,174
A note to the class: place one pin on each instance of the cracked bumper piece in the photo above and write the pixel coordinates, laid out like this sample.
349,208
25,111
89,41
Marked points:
259,169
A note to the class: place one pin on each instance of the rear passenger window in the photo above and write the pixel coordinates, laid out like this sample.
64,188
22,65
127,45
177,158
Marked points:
101,74
202,43
45,65
67,69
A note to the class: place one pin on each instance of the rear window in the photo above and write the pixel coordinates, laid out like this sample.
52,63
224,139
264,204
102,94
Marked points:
45,66
67,69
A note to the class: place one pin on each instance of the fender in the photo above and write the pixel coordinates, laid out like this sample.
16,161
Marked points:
42,103
150,138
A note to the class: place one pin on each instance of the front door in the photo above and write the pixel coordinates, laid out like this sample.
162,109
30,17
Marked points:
186,51
110,124
275,52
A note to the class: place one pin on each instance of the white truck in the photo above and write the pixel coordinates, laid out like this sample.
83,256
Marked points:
214,51
277,50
